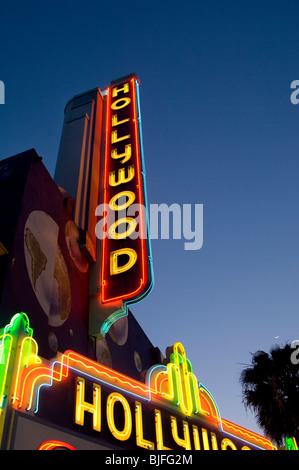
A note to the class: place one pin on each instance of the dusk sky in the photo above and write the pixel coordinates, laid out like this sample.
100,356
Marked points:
219,129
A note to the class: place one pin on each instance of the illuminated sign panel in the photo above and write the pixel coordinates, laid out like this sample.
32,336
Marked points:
170,411
125,262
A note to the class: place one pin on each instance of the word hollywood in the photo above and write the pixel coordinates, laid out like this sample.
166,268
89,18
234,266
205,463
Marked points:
123,185
2,92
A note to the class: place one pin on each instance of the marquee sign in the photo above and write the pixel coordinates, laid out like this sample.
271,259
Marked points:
125,261
169,411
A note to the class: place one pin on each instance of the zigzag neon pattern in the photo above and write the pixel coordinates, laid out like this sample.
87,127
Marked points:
37,376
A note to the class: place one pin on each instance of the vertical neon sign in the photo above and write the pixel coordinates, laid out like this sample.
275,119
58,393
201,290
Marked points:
126,272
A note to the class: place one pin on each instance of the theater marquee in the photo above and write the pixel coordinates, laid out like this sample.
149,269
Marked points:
170,410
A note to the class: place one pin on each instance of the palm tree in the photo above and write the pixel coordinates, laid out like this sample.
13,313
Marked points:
270,388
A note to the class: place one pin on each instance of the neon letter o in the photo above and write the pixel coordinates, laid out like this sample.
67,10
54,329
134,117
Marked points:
129,194
117,106
119,236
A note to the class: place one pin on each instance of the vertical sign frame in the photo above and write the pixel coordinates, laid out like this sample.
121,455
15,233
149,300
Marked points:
126,274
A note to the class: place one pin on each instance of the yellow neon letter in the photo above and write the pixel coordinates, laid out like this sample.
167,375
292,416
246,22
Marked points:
196,437
128,194
115,138
227,443
121,176
116,90
125,433
140,441
214,441
125,156
82,405
115,122
205,439
120,236
174,429
159,431
121,103
114,267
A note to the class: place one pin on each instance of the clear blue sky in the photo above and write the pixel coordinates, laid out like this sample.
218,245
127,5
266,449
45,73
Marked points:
219,130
